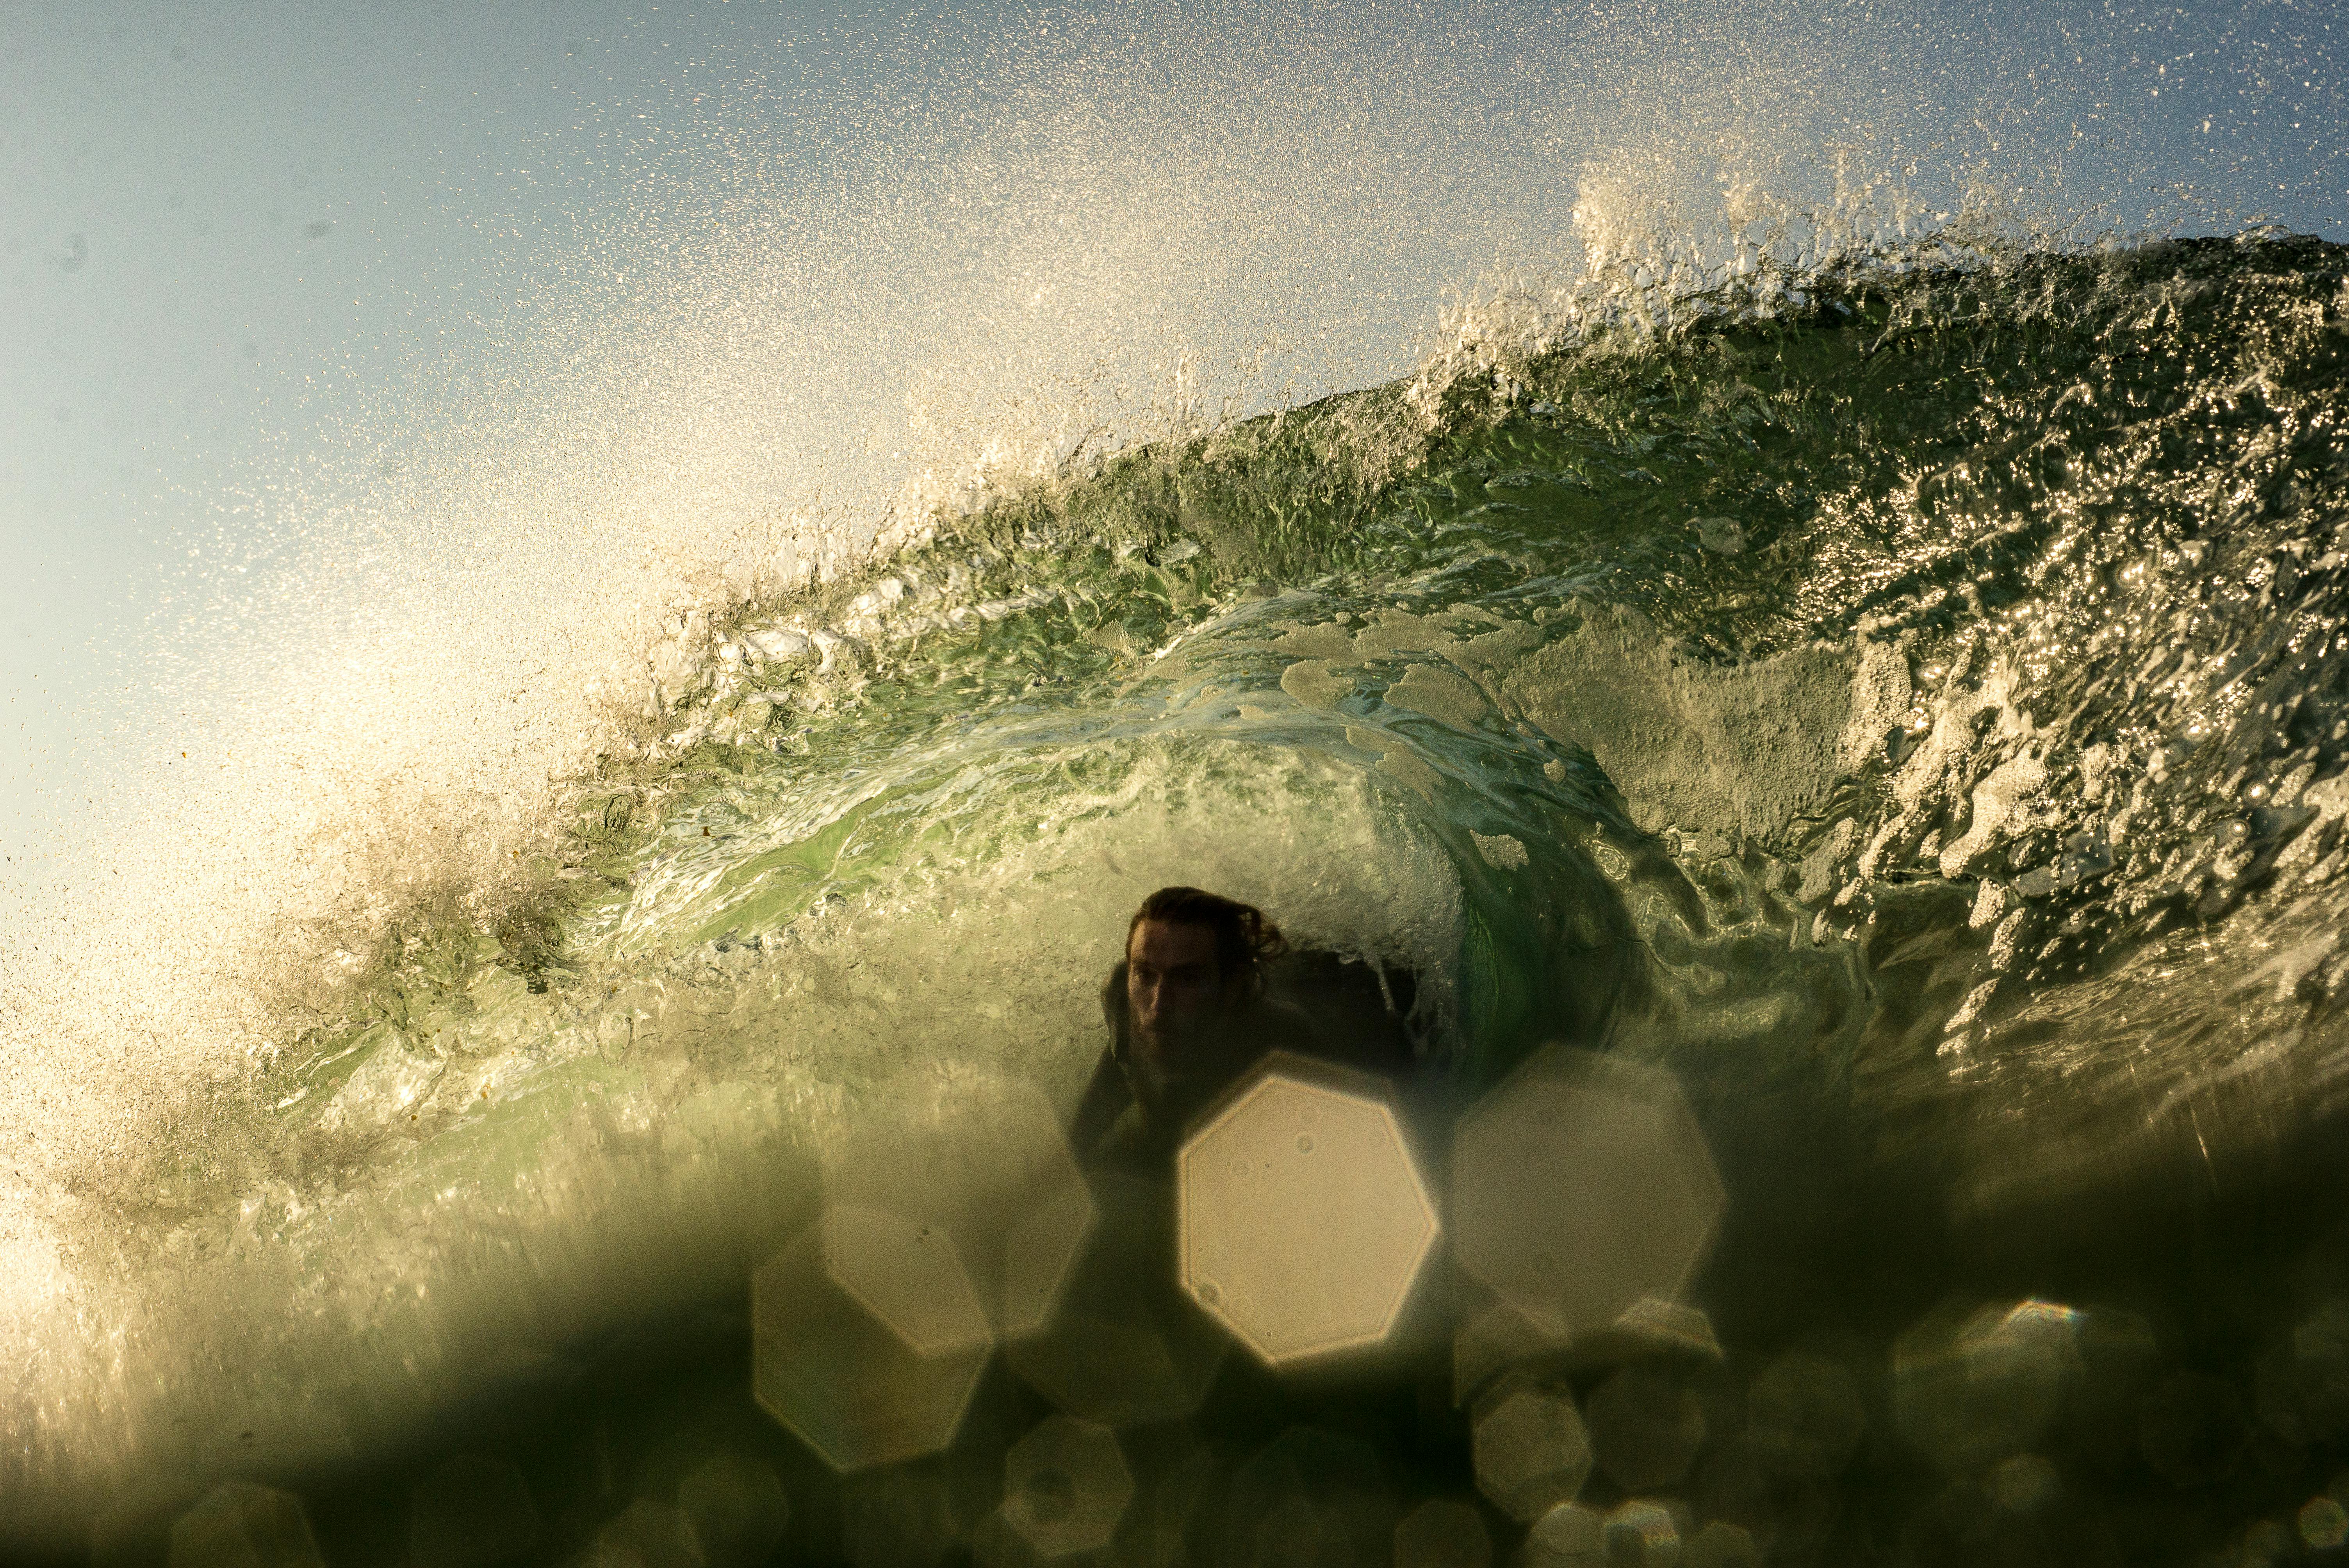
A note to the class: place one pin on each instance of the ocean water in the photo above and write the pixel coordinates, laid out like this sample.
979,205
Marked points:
1899,697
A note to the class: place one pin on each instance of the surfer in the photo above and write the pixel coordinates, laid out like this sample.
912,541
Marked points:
1187,1016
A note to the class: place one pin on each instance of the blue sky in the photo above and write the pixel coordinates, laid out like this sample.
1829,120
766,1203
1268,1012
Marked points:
263,265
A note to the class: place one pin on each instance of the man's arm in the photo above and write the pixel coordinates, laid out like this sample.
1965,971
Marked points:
1105,1099
1109,1092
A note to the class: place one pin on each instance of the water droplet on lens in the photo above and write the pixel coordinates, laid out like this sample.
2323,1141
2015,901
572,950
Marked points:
1305,1143
2324,1524
1050,1496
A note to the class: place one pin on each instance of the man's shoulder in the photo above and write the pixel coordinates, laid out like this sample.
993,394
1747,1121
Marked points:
1278,1025
1283,1026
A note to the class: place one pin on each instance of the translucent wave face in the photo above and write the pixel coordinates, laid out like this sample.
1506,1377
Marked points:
902,270
952,780
1851,697
767,995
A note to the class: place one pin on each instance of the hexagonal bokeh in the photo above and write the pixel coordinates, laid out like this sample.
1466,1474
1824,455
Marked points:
1310,1495
2304,1379
1721,1544
1303,1222
2022,1483
1531,1449
1151,1527
1121,1371
963,1226
1494,1338
906,1272
1647,1426
850,1385
1644,1534
1066,1487
736,1508
1442,1533
1966,1523
1788,1516
1582,1185
1567,1536
1973,1384
1804,1416
647,1534
239,1523
2324,1523
1128,1347
1649,1330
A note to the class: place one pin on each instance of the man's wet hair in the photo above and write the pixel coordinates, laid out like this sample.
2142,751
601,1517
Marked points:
1244,937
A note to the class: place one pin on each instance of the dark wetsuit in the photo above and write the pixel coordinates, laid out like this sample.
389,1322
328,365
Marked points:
1133,1119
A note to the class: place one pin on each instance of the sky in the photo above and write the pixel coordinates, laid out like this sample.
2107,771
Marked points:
359,352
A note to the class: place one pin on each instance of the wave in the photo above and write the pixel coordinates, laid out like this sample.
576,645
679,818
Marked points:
1896,687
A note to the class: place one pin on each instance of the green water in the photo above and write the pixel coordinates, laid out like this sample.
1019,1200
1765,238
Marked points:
1911,714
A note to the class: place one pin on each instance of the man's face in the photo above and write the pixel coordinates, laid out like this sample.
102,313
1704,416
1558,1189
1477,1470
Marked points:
1172,984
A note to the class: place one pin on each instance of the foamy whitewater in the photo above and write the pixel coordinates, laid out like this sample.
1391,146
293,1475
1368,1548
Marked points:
1889,673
